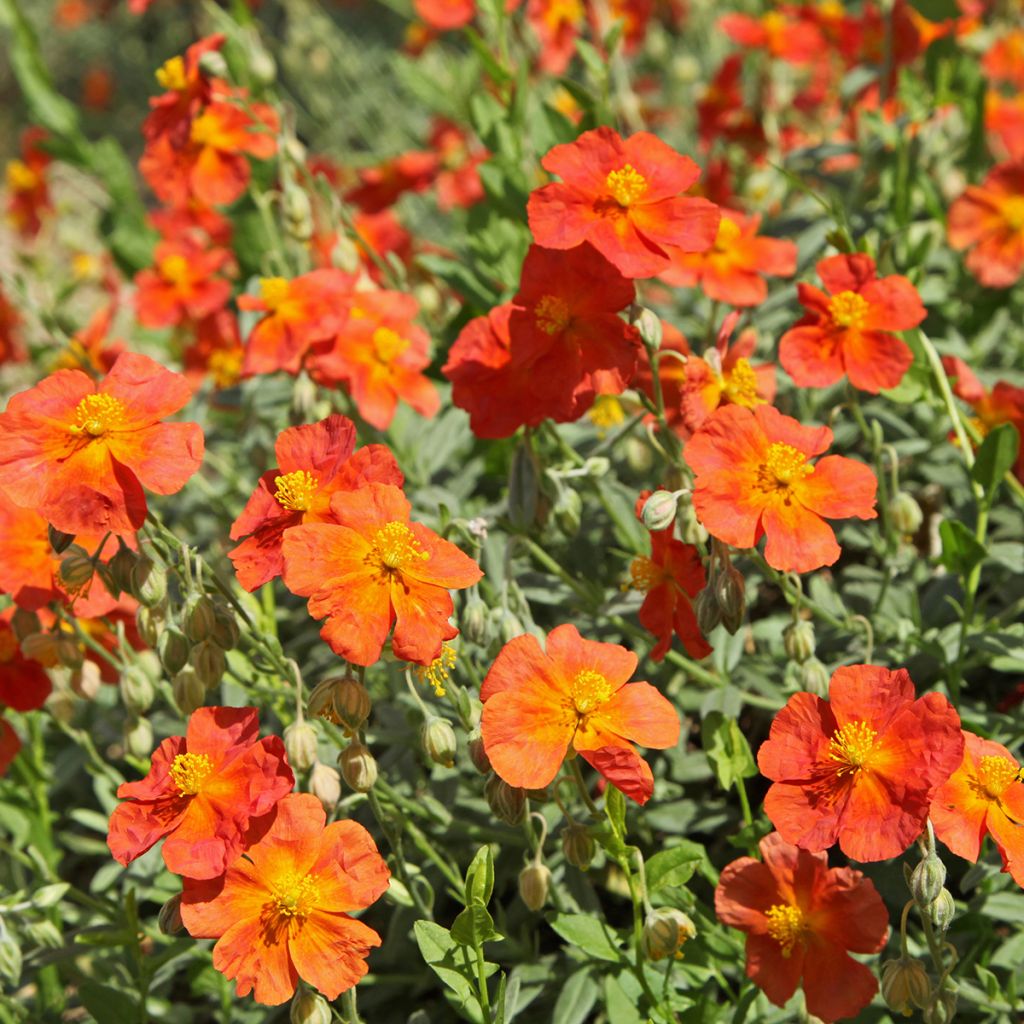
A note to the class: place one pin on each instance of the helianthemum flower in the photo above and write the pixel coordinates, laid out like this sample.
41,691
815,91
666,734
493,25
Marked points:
861,768
208,794
803,919
754,478
849,328
623,196
80,454
24,684
28,193
182,284
984,795
372,568
574,698
281,912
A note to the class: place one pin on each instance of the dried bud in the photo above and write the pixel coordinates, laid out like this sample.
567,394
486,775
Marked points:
927,880
578,845
189,692
148,582
325,785
200,618
814,677
76,568
507,802
478,754
69,651
225,633
342,700
731,593
120,570
136,688
439,742
942,910
942,1009
798,640
523,488
649,326
905,514
300,744
87,680
309,1008
138,737
705,607
169,919
665,931
59,540
358,767
659,511
173,648
905,984
534,882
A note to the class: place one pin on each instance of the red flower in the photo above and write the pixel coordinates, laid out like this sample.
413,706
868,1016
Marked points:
182,284
11,349
281,912
754,479
802,920
984,795
371,569
209,794
540,706
188,90
9,746
557,25
80,453
24,684
446,15
849,329
623,197
458,180
28,194
722,113
379,187
1004,60
790,39
671,375
217,351
315,462
862,767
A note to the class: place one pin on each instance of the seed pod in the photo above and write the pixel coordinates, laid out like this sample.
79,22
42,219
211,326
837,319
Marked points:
523,488
730,590
342,700
300,744
121,567
659,511
568,511
169,919
927,880
507,802
942,910
905,514
69,652
149,622
649,325
25,624
209,663
189,692
534,883
226,633
325,785
148,582
59,540
76,568
705,607
200,618
358,767
136,688
798,640
173,648
814,677
138,737
87,680
578,845
439,741
905,985
478,755
309,1008
942,1009
665,931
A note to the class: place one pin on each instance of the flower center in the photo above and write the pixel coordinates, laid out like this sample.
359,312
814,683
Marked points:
96,414
626,185
561,12
996,773
189,771
785,925
645,574
225,366
589,690
851,746
783,465
848,310
388,344
728,232
21,177
8,646
296,897
294,491
175,269
206,130
273,292
171,75
551,314
741,385
439,671
606,412
395,546
1013,213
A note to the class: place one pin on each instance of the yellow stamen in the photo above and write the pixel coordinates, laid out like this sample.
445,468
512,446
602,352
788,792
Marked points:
438,672
551,314
294,491
560,12
296,896
225,366
1013,213
21,177
273,292
645,574
388,345
626,185
741,385
851,746
171,75
175,269
785,925
589,690
395,546
189,771
605,413
97,414
996,773
848,310
783,466
206,130
728,232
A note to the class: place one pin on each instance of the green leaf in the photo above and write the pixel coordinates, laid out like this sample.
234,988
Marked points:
996,456
106,1003
438,949
615,809
620,1005
674,866
727,749
588,934
576,999
480,878
961,551
474,926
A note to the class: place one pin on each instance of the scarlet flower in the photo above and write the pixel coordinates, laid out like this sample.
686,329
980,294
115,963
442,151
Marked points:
458,180
379,187
984,795
1004,124
192,219
623,197
785,37
11,348
92,349
299,312
802,920
9,746
372,568
209,794
315,461
862,767
217,351
281,912
80,453
28,194
557,25
730,271
182,284
24,684
671,375
848,330
1004,60
539,706
754,479
187,91
446,15
988,219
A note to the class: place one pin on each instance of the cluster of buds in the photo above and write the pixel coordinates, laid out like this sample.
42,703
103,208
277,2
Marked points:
342,700
724,599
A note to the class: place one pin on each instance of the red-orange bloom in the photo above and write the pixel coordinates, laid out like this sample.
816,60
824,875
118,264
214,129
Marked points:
209,794
988,219
849,329
182,284
754,479
803,919
458,180
862,767
281,912
9,745
557,25
24,684
80,453
315,461
188,90
984,795
216,352
730,271
540,706
623,197
446,15
11,348
379,187
788,38
372,568
671,375
28,194
1004,61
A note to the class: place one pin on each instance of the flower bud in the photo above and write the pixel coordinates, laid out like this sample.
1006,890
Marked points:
138,737
76,568
665,931
534,882
942,910
309,1008
358,767
200,618
169,919
905,984
730,591
149,621
189,692
507,802
649,326
798,640
659,511
439,742
148,582
226,633
298,213
905,514
578,845
69,651
59,540
478,754
87,680
136,688
690,528
121,566
927,880
173,648
523,488
209,663
639,456
300,744
473,621
325,785
568,511
262,66
342,700
942,1009
814,677
213,65
706,608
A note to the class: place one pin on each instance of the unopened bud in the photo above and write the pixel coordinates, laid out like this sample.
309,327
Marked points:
149,622
814,677
507,802
148,582
59,540
200,618
905,985
690,528
226,633
298,213
927,880
76,568
309,1008
189,692
705,607
213,65
342,700
439,742
136,688
325,785
87,680
300,744
209,663
534,883
138,737
649,326
942,1009
358,767
568,511
478,754
473,621
731,593
169,919
942,910
262,66
578,845
173,648
24,623
665,931
120,570
659,511
69,652
905,514
523,488
798,640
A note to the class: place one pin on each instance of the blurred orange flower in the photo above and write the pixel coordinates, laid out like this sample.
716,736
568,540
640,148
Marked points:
182,284
28,194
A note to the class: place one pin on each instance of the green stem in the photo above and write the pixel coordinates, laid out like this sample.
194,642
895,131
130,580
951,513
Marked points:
577,775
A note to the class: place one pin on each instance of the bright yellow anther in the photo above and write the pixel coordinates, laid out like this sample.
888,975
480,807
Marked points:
1013,212
741,385
294,491
785,925
589,690
96,414
189,771
174,268
551,314
296,897
626,185
273,291
395,546
388,345
849,310
728,232
783,465
996,773
171,75
21,177
645,574
438,672
851,746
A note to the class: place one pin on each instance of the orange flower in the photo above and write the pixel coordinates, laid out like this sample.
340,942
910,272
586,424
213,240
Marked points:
730,271
379,187
315,461
92,349
623,197
28,195
754,479
182,284
446,15
849,330
574,698
281,912
802,920
862,767
371,569
458,180
209,794
188,90
671,375
217,351
788,38
984,795
80,453
1004,60
557,25
988,219
24,684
